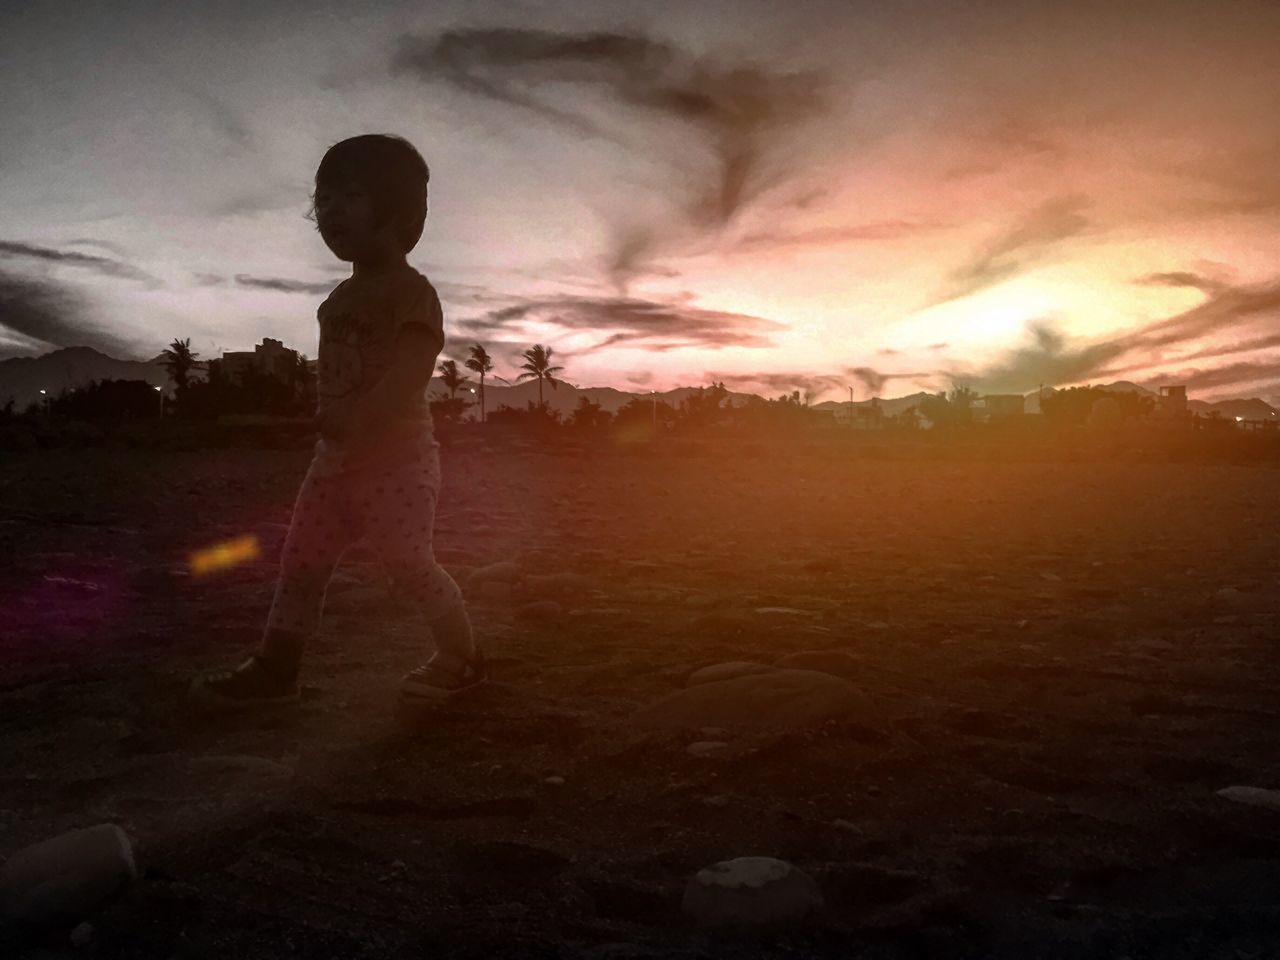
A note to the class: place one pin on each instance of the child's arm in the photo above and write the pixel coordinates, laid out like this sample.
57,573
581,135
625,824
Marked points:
419,342
417,347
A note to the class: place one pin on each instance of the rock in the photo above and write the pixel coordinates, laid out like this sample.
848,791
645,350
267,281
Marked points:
778,700
506,571
725,671
750,892
848,826
81,935
555,780
835,662
1254,796
540,611
66,877
707,748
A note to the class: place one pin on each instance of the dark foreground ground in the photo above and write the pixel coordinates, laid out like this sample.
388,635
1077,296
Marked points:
1064,662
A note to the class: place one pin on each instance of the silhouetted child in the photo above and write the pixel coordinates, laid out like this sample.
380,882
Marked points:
376,468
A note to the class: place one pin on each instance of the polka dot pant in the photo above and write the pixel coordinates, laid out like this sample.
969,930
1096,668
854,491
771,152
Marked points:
394,508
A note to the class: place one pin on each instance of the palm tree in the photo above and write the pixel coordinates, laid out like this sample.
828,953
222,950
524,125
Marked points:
481,363
450,377
537,363
180,360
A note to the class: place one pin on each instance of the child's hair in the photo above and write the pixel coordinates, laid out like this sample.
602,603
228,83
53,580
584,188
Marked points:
393,172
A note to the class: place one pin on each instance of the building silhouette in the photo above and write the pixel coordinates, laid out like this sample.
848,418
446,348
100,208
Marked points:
270,357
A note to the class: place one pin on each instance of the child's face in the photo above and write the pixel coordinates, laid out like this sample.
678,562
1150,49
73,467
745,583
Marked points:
347,220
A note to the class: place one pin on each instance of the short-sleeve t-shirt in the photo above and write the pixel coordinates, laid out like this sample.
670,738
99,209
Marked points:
359,323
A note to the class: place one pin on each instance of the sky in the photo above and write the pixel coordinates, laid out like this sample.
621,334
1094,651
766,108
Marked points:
881,197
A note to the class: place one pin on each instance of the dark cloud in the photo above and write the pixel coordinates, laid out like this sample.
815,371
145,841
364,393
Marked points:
832,236
872,380
1024,244
1047,360
284,285
103,265
809,385
741,111
50,313
644,323
1182,278
1050,361
1231,375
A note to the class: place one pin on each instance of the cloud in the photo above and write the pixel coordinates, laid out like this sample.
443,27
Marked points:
1023,244
1048,359
741,112
1004,141
284,285
834,235
50,314
1182,278
634,322
1231,375
809,385
103,265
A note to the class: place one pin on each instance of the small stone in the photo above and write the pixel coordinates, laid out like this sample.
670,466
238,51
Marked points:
555,781
1254,796
750,892
715,801
846,825
82,934
67,876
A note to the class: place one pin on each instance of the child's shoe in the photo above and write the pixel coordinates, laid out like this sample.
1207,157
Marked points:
432,683
252,683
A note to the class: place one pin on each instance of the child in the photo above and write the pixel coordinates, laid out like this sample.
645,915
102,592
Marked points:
376,468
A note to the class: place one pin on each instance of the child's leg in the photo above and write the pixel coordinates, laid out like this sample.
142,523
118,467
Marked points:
399,521
319,533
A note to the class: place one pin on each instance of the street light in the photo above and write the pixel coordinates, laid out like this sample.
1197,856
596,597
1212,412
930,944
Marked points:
654,395
160,391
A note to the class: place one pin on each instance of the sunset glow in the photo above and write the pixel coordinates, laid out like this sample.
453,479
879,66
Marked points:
885,198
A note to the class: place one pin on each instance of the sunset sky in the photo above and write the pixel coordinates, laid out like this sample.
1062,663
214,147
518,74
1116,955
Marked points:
889,196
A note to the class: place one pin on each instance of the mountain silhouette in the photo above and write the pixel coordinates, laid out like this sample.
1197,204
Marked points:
22,378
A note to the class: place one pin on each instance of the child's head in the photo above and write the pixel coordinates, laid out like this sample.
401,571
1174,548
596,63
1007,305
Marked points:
393,174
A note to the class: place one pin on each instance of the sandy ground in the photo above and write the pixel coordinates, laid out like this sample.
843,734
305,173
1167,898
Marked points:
1064,663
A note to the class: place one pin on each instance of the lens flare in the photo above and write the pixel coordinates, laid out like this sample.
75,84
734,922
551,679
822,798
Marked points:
220,556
